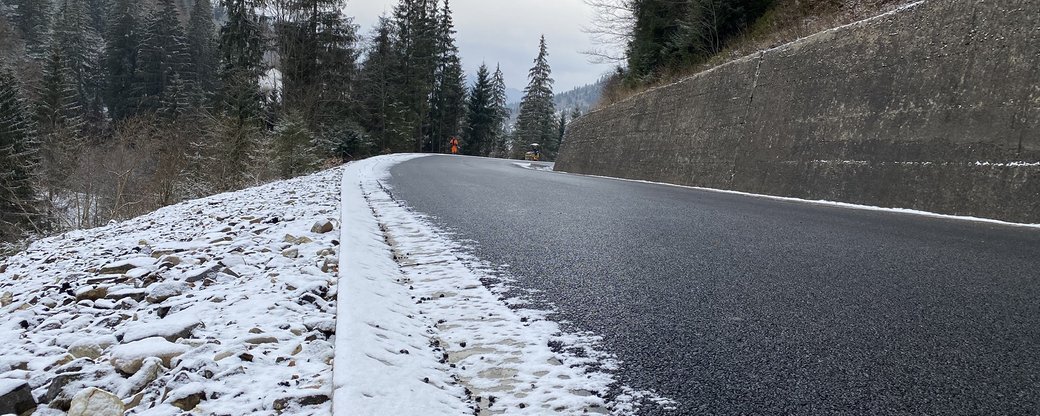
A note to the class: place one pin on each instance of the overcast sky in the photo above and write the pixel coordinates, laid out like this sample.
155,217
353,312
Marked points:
507,31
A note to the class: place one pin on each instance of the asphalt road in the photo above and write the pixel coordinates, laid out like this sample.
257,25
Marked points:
742,305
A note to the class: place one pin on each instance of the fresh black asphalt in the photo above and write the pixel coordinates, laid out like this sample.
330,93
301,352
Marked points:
744,305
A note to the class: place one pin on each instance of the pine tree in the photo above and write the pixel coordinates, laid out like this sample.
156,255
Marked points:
164,57
121,59
449,94
536,122
19,208
480,116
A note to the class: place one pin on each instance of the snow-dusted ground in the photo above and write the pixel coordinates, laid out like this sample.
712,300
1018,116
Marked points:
422,323
218,306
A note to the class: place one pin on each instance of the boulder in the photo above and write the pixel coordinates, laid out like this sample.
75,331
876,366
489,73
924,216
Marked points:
6,299
162,291
91,293
88,346
128,358
151,369
322,227
172,328
93,401
15,397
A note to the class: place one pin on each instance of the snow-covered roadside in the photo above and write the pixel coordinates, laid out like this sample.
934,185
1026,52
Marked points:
423,332
218,306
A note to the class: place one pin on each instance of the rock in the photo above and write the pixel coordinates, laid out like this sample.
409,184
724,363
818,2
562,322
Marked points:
128,358
151,369
91,347
86,348
162,291
323,325
260,339
15,397
311,400
188,397
6,299
93,401
123,266
170,260
202,273
132,293
330,264
322,227
66,385
91,293
291,253
172,328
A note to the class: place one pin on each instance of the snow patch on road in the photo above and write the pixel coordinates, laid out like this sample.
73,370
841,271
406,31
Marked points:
431,334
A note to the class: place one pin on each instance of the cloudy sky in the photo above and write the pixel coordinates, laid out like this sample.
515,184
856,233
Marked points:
507,31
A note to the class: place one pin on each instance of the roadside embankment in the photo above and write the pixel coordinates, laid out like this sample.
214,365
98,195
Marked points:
934,107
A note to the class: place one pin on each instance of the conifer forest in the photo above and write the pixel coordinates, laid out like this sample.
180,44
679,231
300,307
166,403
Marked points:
113,108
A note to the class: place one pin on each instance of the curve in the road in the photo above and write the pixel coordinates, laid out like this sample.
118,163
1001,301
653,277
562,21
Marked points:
735,304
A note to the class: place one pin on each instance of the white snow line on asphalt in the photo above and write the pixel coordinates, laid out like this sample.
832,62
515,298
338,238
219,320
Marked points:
824,202
476,346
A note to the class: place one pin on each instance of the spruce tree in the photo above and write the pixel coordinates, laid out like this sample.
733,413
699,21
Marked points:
380,114
536,122
164,58
124,43
501,105
19,208
449,94
294,150
416,42
202,46
480,116
33,20
81,48
59,124
239,124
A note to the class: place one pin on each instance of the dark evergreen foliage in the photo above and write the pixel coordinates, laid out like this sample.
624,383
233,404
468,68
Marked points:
536,122
19,208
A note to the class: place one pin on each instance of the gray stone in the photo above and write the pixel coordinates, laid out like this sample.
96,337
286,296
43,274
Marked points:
15,397
162,291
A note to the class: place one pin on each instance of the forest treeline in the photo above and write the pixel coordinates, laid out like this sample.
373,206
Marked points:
664,40
113,108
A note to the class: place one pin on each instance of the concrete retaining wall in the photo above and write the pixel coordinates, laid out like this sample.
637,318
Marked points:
935,107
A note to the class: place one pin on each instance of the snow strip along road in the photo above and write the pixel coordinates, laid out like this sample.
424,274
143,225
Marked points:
423,331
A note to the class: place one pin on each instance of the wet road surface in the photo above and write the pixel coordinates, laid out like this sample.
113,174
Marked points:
733,304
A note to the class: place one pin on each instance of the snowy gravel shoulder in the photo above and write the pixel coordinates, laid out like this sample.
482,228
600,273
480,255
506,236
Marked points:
218,306
431,331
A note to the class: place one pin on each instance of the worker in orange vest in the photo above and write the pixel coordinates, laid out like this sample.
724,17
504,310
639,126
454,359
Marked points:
454,145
